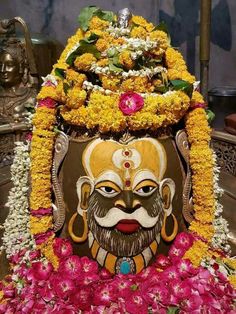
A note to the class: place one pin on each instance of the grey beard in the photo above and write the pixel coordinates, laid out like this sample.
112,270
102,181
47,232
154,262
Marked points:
118,243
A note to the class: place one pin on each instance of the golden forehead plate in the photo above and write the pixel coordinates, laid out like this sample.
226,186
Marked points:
139,154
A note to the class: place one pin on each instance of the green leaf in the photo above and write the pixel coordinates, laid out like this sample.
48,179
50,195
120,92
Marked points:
114,68
105,15
60,73
210,115
83,48
66,87
85,16
172,310
91,39
161,89
161,27
182,85
115,61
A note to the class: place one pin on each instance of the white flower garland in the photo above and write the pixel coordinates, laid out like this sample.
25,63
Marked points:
91,87
149,72
17,234
219,240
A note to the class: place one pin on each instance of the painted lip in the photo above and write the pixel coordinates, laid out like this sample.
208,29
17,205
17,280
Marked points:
128,226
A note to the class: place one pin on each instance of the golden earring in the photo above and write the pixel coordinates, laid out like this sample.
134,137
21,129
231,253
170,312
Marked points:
85,233
163,229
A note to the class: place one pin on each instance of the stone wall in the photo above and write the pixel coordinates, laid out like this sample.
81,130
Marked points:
57,18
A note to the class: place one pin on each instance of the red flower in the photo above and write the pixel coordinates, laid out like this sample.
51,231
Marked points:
71,267
62,248
130,103
63,287
136,304
104,295
89,266
42,271
82,298
162,261
47,102
183,240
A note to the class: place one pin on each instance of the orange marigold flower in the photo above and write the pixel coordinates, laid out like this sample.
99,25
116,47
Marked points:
125,59
102,44
97,23
75,97
75,77
84,61
139,32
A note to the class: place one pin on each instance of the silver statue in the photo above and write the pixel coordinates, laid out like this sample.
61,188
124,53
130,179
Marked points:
124,17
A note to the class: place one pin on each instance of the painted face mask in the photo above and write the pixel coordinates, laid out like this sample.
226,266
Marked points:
123,199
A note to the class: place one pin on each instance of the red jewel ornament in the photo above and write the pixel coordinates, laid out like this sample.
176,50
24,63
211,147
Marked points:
127,183
127,165
126,153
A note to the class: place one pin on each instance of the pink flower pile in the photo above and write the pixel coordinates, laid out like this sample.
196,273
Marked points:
170,285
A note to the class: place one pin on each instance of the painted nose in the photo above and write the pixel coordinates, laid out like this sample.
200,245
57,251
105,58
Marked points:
128,204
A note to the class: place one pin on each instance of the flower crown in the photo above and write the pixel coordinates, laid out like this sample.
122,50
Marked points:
120,73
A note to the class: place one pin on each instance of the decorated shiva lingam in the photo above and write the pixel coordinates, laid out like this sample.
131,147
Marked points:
121,173
122,202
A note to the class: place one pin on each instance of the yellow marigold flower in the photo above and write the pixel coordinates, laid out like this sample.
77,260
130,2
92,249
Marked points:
139,32
186,76
232,280
197,126
126,60
102,44
139,20
102,62
230,262
47,91
145,120
47,250
44,118
205,230
72,41
37,200
75,116
60,91
197,97
173,58
116,41
84,61
75,97
162,39
196,253
111,82
97,23
40,224
75,77
137,84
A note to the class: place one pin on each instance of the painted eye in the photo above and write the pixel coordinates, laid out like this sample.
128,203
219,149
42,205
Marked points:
107,189
145,190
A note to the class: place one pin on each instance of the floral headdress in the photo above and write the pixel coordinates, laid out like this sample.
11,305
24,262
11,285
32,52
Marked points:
115,76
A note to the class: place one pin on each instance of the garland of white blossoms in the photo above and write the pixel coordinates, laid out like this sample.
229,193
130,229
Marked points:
219,240
17,235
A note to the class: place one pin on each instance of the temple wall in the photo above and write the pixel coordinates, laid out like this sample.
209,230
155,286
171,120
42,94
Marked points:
57,18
